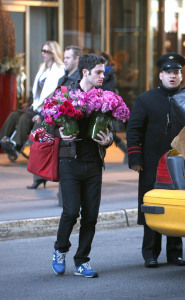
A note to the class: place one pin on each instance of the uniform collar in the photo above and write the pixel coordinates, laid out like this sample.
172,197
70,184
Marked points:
169,92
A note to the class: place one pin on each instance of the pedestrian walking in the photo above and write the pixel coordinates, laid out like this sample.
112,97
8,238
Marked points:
71,58
80,171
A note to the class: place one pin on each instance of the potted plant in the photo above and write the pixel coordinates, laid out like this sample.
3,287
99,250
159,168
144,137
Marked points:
9,64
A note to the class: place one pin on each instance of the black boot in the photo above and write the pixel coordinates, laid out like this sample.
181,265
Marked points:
9,147
37,183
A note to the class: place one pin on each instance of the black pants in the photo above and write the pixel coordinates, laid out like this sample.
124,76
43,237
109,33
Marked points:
22,122
81,193
152,245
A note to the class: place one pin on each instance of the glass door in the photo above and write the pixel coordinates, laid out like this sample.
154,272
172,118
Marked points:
128,28
167,33
43,27
175,27
84,27
34,24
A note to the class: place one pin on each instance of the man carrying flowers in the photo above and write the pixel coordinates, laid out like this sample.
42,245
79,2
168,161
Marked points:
80,161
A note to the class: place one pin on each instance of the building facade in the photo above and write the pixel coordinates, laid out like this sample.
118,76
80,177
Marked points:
133,32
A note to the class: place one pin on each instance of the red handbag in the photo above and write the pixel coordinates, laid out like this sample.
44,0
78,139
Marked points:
43,158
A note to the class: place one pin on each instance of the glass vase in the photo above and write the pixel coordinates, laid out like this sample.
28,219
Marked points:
97,123
70,126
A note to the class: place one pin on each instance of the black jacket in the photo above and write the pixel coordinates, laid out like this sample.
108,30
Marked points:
67,80
150,131
109,81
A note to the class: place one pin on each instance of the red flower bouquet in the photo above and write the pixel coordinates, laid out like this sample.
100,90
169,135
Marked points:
62,114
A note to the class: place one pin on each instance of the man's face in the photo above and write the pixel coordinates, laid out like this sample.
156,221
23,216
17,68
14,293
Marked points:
70,62
95,77
170,79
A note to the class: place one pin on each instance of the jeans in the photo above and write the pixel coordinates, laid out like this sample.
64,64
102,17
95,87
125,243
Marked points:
81,193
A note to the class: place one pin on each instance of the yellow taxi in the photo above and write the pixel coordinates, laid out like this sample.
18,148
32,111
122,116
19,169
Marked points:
164,206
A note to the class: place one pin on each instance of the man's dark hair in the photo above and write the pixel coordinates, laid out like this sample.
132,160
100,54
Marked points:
89,61
77,51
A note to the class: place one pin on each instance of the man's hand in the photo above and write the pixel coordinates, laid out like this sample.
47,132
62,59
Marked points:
105,139
66,137
37,119
137,168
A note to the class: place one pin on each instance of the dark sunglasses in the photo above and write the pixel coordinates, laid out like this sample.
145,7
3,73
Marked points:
46,51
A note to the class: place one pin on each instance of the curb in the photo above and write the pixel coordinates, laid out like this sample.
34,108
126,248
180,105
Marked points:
39,227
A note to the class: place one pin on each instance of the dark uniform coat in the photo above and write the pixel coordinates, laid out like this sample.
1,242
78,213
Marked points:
151,128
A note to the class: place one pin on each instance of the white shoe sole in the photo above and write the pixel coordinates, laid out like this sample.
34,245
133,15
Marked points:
91,276
57,273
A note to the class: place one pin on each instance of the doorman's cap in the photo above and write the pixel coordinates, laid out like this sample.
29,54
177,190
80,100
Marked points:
171,61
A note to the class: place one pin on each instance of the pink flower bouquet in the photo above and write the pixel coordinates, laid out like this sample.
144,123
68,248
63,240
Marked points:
107,102
104,106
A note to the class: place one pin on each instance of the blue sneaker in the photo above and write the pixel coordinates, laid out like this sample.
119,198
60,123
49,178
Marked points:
59,264
86,271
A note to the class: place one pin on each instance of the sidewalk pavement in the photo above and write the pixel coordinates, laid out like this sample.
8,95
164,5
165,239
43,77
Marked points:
32,213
